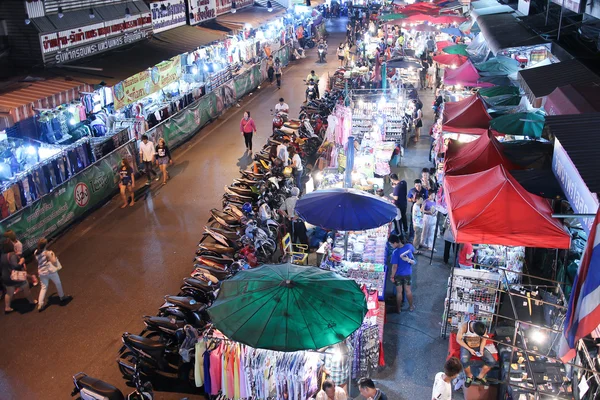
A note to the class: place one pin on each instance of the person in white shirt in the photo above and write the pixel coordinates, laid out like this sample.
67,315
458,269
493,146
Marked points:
297,167
442,385
331,392
147,153
282,152
282,106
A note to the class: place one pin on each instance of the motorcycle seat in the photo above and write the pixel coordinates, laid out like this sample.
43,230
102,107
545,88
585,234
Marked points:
144,344
187,303
199,284
164,322
100,388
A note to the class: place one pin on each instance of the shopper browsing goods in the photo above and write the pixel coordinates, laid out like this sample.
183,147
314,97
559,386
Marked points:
402,261
442,385
369,391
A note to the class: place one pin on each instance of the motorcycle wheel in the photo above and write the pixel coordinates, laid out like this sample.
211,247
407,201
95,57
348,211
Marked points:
310,44
126,372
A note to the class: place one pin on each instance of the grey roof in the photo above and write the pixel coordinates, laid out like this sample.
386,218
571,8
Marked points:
579,136
541,81
504,31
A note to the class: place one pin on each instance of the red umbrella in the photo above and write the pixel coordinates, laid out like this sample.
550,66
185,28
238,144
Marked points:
448,19
422,7
420,17
455,60
425,28
444,43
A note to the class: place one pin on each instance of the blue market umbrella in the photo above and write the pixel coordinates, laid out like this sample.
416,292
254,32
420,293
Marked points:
453,31
345,209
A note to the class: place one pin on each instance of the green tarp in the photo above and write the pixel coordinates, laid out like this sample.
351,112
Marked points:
497,66
522,124
502,100
499,91
391,17
460,49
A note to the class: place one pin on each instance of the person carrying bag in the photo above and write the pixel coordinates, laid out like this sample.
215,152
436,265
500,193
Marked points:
14,275
48,267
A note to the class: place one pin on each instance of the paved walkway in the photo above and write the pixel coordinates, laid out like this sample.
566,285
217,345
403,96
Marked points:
118,264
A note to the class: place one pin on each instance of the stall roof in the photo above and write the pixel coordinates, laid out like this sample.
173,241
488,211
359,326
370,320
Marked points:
504,31
500,9
465,75
529,153
255,16
18,101
540,82
491,207
468,115
476,156
475,5
541,182
579,136
571,99
121,64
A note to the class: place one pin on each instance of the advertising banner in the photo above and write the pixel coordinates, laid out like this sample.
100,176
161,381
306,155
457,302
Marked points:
201,10
224,6
167,14
69,201
146,82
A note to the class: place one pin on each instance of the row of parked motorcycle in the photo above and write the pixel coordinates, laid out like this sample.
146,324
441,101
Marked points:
244,233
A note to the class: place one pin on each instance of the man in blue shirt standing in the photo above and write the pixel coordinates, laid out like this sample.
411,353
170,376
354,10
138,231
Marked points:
402,261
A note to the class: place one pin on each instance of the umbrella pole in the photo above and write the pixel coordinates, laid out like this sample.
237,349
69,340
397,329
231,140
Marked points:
437,224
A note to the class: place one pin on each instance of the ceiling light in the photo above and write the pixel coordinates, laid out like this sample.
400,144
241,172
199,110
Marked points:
127,12
92,15
60,12
27,20
269,6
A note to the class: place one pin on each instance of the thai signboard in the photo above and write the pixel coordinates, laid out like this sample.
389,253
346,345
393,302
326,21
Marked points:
167,14
201,10
224,6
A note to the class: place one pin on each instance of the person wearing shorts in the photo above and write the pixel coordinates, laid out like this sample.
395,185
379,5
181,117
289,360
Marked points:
472,338
402,261
163,158
126,182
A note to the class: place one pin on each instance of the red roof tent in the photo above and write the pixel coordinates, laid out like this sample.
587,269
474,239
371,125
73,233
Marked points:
476,156
450,59
443,44
573,99
468,115
418,18
491,207
448,19
465,75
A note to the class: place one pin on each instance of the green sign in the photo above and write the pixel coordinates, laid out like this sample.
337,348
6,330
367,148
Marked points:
69,201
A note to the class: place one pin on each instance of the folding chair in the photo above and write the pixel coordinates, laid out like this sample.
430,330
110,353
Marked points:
298,252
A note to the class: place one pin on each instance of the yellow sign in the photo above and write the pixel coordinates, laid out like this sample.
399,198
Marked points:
146,82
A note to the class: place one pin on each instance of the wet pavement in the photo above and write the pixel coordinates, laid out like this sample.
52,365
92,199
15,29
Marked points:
119,263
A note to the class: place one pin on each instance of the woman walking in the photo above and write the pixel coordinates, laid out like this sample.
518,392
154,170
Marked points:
48,270
418,119
270,68
278,71
296,167
247,128
18,246
417,221
429,221
126,183
163,158
341,52
9,263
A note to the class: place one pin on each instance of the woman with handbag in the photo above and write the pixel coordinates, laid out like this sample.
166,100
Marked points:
14,275
48,267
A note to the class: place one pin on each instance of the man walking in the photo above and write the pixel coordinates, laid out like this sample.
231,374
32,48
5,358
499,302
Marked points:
417,192
402,261
147,153
400,200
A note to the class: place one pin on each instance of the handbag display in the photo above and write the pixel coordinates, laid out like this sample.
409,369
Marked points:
18,276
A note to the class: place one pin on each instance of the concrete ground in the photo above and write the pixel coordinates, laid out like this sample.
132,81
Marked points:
119,263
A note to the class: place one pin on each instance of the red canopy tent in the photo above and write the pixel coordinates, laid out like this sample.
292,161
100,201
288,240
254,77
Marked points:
448,19
426,8
418,18
455,60
468,115
476,156
443,44
491,207
465,75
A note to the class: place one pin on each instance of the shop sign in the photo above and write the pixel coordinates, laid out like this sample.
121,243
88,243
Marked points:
172,17
146,82
69,201
581,199
201,10
224,6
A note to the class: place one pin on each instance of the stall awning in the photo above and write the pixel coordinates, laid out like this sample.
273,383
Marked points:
116,66
580,138
479,155
476,5
465,75
255,16
491,207
529,153
468,115
504,31
540,82
501,9
18,101
571,99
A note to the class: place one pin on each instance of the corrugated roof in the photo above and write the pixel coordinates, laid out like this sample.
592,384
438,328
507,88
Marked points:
579,136
504,31
254,16
541,81
186,38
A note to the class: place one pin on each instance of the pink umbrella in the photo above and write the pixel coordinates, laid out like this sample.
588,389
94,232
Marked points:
465,75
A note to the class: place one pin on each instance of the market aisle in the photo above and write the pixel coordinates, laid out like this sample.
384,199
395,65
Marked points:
118,263
414,351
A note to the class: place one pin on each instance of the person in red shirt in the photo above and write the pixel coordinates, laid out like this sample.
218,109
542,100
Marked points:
465,256
247,128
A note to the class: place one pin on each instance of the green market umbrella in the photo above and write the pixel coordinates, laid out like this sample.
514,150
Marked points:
523,124
286,307
503,100
499,91
460,49
391,17
498,66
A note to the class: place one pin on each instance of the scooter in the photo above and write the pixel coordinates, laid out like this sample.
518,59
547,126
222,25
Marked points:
88,388
321,50
311,91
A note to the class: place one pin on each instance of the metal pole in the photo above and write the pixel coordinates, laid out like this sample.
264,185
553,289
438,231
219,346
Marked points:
384,75
547,12
437,224
562,7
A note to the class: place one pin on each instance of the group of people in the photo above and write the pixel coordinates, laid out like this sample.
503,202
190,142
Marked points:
15,277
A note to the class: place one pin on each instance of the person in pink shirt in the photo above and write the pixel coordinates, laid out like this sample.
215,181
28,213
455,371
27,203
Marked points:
247,128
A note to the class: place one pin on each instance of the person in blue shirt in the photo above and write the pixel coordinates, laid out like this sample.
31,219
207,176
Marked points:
402,261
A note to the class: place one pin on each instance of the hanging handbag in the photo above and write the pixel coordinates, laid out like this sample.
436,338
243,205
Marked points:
18,276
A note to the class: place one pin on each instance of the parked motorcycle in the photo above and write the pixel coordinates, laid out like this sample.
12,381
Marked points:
88,388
